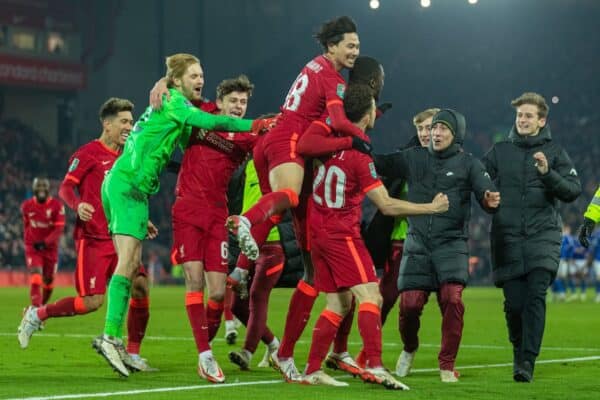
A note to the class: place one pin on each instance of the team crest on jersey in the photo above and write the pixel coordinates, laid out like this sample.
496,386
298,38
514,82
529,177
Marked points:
341,88
48,213
372,169
74,164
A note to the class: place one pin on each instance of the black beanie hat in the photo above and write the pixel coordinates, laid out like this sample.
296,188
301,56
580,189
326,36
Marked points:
454,120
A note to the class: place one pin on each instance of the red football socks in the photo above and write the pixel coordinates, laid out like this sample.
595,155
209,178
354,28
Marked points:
340,344
323,334
214,312
369,326
298,315
35,290
137,321
271,204
194,304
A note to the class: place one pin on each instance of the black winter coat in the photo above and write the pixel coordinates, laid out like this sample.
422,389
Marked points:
526,230
435,250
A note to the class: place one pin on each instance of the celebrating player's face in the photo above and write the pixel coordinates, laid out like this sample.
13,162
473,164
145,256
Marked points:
119,127
441,136
346,51
527,121
424,131
41,189
234,104
192,82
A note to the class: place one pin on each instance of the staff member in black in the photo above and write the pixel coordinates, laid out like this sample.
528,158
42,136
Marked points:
436,254
533,174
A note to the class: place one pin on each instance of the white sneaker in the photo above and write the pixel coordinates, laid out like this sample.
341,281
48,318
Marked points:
231,333
240,227
404,364
237,323
321,378
448,376
264,363
137,363
286,367
210,370
382,376
241,358
29,324
126,357
107,347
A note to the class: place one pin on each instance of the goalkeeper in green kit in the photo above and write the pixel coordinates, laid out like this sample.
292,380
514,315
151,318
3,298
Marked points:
134,177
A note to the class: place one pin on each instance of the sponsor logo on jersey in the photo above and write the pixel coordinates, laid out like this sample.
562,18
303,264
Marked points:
449,173
48,213
372,169
341,88
573,172
487,175
105,162
74,164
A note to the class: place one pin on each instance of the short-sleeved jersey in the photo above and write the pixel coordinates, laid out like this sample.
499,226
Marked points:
567,246
208,164
340,184
39,219
157,132
306,101
252,194
87,168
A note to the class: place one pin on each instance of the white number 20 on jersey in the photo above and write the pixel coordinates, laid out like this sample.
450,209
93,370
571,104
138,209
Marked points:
292,100
334,195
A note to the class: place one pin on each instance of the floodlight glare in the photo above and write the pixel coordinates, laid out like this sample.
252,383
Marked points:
472,1
425,3
374,4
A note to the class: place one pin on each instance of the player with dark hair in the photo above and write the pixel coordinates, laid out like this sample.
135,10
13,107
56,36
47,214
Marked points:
43,223
343,266
96,255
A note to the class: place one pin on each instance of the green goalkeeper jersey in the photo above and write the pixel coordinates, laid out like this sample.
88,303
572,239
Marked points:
155,135
593,210
252,194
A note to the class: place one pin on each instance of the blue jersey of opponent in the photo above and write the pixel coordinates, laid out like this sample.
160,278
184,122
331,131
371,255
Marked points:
567,247
595,244
579,252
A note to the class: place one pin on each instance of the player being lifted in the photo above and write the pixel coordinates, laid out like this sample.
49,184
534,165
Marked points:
97,257
134,177
43,223
315,93
343,266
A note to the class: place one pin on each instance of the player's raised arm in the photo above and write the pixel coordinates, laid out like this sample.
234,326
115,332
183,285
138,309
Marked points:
395,207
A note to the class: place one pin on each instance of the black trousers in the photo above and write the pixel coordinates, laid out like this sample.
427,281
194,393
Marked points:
525,311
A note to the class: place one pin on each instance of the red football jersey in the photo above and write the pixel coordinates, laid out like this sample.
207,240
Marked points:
208,164
340,184
306,101
40,219
87,168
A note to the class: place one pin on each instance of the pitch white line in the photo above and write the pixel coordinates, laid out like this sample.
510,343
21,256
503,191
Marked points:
389,344
141,391
226,385
575,359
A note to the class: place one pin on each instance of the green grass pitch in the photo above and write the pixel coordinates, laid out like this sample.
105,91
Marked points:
60,363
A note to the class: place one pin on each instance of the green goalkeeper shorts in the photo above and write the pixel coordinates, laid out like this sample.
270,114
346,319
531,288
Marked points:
125,207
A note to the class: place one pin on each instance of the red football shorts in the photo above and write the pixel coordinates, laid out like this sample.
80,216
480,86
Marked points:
340,263
47,259
280,145
96,263
199,234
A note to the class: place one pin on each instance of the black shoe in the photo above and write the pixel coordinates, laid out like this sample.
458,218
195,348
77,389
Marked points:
523,372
